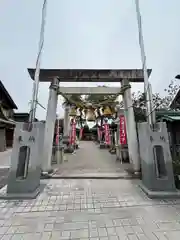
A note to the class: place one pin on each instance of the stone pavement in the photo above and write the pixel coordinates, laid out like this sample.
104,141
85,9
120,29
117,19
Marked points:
5,159
89,160
90,209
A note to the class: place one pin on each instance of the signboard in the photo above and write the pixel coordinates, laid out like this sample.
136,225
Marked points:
122,130
73,132
57,135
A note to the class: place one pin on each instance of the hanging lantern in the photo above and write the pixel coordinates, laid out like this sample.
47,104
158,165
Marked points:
101,111
73,112
83,111
114,110
90,115
78,112
107,111
96,113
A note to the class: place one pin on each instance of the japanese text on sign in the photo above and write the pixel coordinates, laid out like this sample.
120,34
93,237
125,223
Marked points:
73,133
107,134
122,130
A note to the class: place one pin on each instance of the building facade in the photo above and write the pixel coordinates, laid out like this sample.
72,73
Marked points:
7,123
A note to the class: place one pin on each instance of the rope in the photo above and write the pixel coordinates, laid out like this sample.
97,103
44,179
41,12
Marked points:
71,101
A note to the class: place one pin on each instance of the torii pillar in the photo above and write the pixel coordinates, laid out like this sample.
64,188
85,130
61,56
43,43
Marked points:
50,125
131,127
66,123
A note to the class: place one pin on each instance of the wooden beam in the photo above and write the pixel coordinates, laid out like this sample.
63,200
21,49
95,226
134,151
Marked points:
90,90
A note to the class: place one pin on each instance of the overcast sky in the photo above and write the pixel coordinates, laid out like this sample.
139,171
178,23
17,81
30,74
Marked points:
86,34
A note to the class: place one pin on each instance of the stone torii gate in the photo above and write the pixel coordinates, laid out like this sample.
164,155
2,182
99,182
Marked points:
55,76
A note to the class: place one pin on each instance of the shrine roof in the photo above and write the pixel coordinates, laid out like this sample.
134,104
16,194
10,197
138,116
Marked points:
90,75
7,96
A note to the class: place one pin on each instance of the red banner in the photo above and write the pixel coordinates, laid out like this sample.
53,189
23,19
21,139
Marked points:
107,133
73,132
57,139
122,130
57,134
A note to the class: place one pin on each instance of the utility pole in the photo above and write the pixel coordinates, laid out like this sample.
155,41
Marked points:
37,70
147,87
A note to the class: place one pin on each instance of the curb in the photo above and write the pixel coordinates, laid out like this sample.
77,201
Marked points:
128,177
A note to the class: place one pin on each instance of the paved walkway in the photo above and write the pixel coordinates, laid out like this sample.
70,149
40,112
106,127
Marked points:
90,209
89,160
5,158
